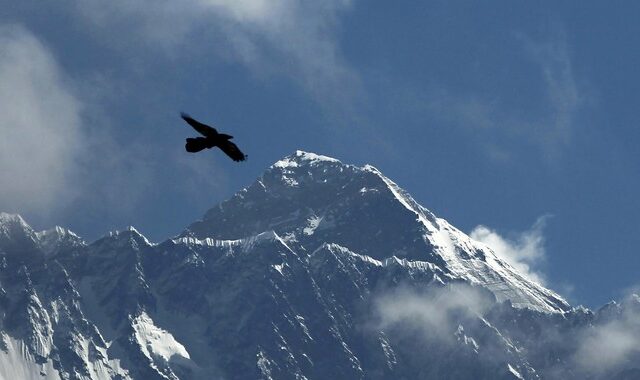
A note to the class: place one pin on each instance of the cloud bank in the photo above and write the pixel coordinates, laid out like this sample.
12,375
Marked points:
433,313
613,342
469,326
58,153
40,125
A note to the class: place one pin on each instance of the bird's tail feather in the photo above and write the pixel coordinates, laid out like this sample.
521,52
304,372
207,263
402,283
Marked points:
195,144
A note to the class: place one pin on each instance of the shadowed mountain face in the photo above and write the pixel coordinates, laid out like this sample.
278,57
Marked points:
317,270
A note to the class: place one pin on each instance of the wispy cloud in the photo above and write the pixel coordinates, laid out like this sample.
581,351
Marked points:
433,312
524,251
496,127
564,96
58,152
296,39
600,346
607,345
40,124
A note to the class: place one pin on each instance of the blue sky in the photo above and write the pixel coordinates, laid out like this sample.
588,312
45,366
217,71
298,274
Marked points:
516,121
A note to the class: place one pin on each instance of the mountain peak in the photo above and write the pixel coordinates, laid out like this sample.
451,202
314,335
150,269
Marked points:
6,218
58,232
301,158
313,271
309,199
13,228
53,239
129,236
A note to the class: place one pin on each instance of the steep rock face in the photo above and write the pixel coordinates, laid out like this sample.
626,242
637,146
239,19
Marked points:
43,328
318,270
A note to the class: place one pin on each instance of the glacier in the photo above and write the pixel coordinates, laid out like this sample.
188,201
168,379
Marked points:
318,269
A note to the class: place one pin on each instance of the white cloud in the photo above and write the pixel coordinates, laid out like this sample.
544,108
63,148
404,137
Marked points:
288,37
524,251
430,312
593,346
53,159
40,125
606,346
302,34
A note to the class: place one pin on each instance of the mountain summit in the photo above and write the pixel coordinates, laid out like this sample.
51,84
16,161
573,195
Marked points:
317,270
309,200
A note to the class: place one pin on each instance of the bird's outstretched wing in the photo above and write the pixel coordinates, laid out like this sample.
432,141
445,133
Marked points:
203,129
232,150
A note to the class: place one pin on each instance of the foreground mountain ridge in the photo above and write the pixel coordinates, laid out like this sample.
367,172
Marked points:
317,270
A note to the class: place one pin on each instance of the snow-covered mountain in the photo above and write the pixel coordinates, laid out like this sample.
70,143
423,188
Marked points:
317,270
309,200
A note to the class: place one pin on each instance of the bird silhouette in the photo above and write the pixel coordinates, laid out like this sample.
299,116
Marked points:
211,139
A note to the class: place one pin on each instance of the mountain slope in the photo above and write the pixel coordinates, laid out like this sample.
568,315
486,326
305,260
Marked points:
310,199
317,270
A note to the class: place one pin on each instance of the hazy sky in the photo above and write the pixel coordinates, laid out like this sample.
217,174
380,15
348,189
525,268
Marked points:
516,121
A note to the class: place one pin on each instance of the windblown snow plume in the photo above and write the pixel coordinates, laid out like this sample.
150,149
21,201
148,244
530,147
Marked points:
525,251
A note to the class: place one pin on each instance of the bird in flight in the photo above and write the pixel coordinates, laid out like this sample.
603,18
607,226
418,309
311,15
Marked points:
211,139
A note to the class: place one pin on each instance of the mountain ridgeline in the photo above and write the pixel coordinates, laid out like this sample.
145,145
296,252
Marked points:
317,270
